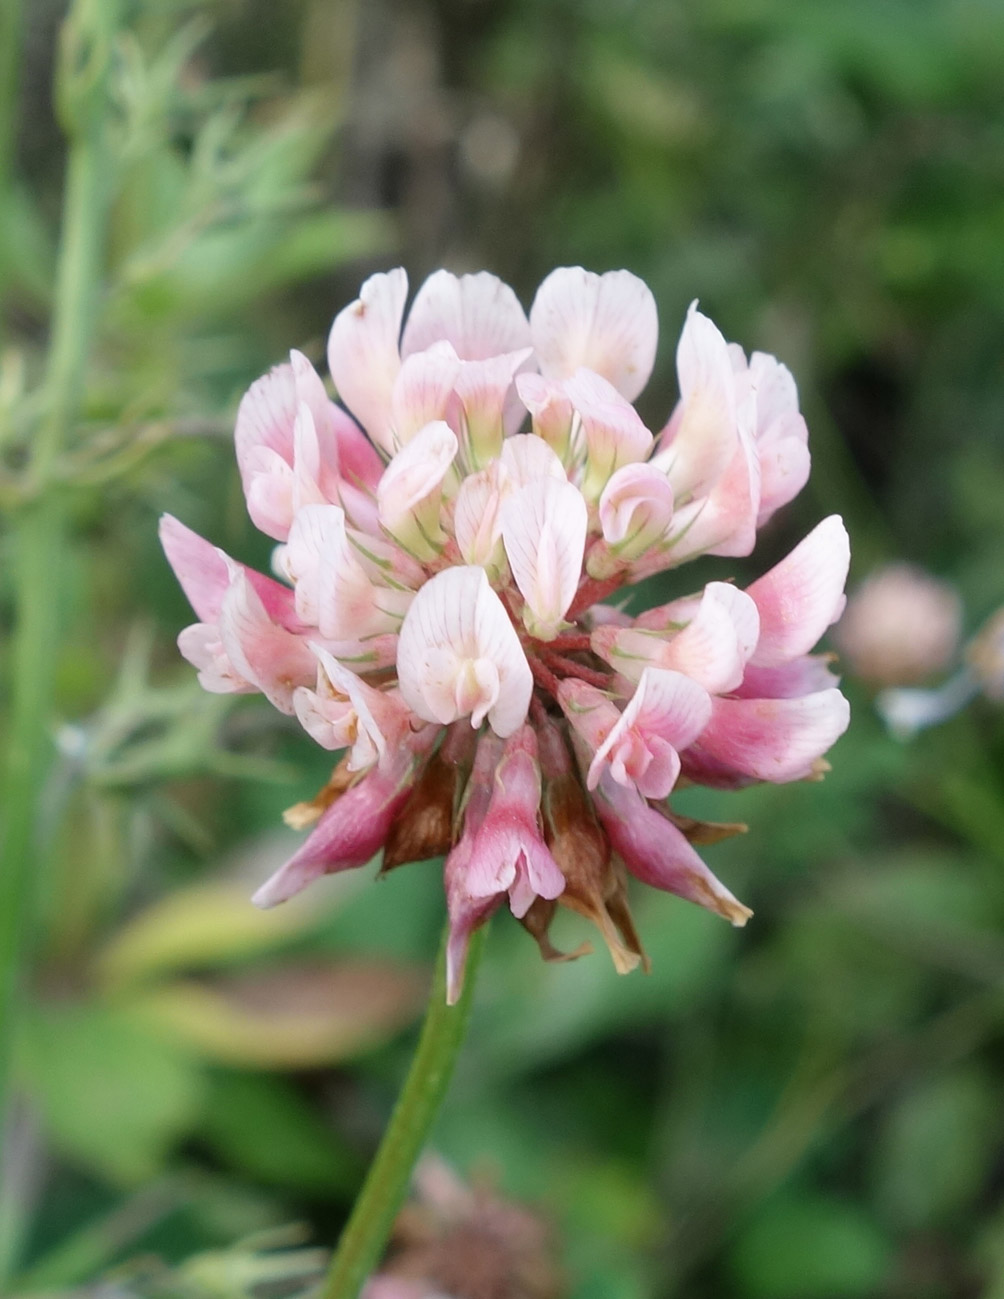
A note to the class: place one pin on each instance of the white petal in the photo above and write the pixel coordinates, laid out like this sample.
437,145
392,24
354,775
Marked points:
455,630
363,354
544,532
526,457
415,473
607,323
478,314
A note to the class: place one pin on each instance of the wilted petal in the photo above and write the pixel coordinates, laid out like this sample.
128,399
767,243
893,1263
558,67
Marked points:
351,831
544,532
466,911
775,739
363,354
478,314
657,853
607,323
459,655
802,595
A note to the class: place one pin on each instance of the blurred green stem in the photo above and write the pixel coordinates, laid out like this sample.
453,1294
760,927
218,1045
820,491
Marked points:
39,542
10,59
386,1185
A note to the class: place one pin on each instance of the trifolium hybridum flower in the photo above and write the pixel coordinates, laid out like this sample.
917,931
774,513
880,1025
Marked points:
448,536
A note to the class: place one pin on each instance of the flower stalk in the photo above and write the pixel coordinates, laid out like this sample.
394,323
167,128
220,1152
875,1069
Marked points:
369,1226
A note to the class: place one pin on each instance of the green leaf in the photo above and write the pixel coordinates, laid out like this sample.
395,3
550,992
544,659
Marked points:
113,1095
810,1246
262,1127
937,1148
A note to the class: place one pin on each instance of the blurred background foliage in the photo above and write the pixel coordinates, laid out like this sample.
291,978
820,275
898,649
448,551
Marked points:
808,1109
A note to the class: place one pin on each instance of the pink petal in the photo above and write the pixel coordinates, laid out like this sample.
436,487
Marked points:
802,676
350,833
203,570
775,739
459,654
656,852
544,532
273,659
409,492
607,323
667,707
802,595
491,406
363,352
478,314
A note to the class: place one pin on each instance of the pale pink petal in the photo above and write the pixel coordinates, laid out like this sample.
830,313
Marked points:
775,739
802,595
802,676
478,314
459,655
712,649
333,590
491,406
607,323
666,713
591,712
611,427
344,712
201,646
423,392
363,354
544,532
477,522
552,413
656,852
273,659
525,458
410,491
636,508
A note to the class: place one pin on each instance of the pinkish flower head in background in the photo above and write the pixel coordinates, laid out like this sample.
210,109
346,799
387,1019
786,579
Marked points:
448,536
901,626
454,1241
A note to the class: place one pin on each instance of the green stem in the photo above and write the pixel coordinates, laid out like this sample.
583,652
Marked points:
39,551
386,1185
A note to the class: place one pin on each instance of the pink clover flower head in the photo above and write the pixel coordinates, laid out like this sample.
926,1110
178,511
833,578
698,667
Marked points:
449,530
